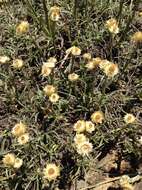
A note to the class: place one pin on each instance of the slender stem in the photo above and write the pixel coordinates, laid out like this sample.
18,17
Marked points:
75,9
86,7
134,49
120,10
45,12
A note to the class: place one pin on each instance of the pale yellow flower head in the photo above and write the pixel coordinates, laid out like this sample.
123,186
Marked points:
54,97
129,118
74,51
51,62
9,159
79,126
18,63
49,89
45,71
22,28
73,77
112,26
51,172
4,59
84,148
48,66
18,163
96,61
125,182
90,127
19,129
137,37
80,138
87,56
97,117
104,63
54,13
90,65
23,139
140,13
111,70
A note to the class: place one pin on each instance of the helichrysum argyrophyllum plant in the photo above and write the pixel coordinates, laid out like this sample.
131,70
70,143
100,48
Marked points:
70,93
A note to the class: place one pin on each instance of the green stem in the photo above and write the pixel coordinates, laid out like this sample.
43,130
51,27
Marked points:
134,49
45,12
118,17
75,9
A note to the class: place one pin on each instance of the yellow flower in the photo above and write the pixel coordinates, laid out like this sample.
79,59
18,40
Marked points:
104,63
111,70
45,71
19,129
128,187
90,65
18,163
137,37
18,63
51,172
54,13
73,77
79,126
9,159
125,183
23,139
90,127
49,89
51,62
48,66
54,97
84,148
129,118
140,13
4,59
87,56
74,51
112,25
22,28
97,117
97,61
79,138
93,63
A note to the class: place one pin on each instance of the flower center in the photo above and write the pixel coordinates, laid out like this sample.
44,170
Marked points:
51,171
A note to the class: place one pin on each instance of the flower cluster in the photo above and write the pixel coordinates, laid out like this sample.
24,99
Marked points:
50,91
92,63
84,147
48,66
17,63
19,131
10,160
